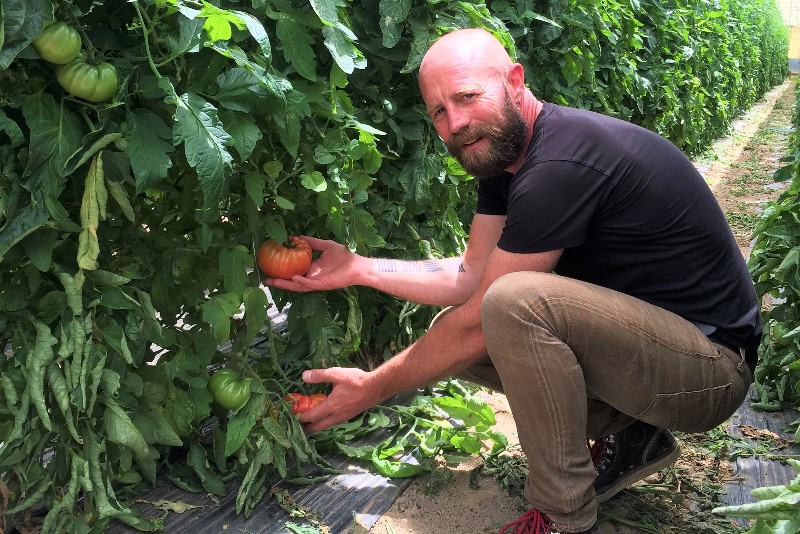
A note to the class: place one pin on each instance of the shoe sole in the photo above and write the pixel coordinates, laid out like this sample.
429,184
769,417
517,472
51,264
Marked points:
665,460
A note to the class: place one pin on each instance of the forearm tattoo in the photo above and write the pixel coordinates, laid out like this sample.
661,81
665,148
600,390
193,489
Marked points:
427,266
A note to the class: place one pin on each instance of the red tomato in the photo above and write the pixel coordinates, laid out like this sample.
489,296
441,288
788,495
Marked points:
284,260
302,403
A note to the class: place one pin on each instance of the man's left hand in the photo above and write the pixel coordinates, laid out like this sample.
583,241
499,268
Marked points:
350,396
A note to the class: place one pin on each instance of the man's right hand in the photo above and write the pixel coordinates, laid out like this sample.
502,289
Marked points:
336,267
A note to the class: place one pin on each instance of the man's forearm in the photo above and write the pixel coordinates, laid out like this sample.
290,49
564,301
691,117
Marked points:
440,282
448,348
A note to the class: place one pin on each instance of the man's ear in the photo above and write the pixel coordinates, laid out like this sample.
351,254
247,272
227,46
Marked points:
516,81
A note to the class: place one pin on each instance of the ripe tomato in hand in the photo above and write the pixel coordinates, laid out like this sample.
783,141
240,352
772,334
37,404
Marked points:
302,403
284,260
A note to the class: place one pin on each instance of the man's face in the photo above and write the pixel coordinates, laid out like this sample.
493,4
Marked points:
503,141
472,112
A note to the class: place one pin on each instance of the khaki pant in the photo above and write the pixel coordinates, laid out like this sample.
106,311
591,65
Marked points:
576,360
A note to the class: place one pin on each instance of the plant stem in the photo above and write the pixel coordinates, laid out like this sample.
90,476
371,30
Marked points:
146,33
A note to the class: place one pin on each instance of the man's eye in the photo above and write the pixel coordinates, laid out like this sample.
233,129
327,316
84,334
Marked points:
438,112
469,96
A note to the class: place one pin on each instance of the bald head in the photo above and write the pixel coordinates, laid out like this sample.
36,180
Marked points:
474,48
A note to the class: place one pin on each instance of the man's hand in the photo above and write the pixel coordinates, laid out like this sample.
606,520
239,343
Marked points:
335,268
350,397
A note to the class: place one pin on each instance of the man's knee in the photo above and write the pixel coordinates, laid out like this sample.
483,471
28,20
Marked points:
514,292
503,295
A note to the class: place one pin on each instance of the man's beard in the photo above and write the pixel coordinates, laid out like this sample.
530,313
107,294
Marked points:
506,142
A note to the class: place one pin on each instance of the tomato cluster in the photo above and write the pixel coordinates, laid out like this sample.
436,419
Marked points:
302,403
60,43
284,260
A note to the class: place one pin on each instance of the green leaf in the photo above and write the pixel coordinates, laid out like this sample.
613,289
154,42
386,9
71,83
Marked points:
783,507
423,37
233,263
199,128
39,248
256,304
11,129
20,23
273,168
189,37
243,130
155,429
32,217
258,33
325,10
179,412
471,411
119,194
284,203
394,469
218,312
393,14
92,144
297,46
218,22
120,429
254,185
240,425
239,90
277,433
275,228
289,124
55,136
147,147
466,442
93,209
196,459
365,231
314,181
344,52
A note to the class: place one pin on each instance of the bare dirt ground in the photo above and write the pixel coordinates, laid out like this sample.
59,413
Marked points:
739,170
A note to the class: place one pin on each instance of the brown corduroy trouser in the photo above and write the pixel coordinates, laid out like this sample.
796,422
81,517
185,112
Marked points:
576,360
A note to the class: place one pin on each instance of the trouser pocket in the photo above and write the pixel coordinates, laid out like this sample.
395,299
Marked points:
693,411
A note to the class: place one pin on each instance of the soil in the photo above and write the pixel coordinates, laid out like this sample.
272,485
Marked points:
739,169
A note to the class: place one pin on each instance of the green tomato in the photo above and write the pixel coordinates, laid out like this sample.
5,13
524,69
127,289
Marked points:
228,390
779,332
58,43
95,83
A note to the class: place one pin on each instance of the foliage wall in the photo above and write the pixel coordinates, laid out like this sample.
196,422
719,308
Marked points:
128,226
681,68
775,266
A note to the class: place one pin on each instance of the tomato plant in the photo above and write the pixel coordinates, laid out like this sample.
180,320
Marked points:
95,83
58,43
284,260
302,403
228,389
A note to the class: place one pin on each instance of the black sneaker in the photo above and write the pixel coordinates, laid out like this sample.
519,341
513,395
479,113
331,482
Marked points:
630,455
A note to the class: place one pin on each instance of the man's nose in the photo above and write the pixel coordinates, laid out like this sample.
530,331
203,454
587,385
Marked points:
457,120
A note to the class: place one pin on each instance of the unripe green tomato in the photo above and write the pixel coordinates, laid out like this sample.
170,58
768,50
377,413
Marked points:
228,390
779,332
95,83
58,43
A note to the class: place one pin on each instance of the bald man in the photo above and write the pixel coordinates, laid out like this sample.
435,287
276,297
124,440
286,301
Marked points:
601,290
